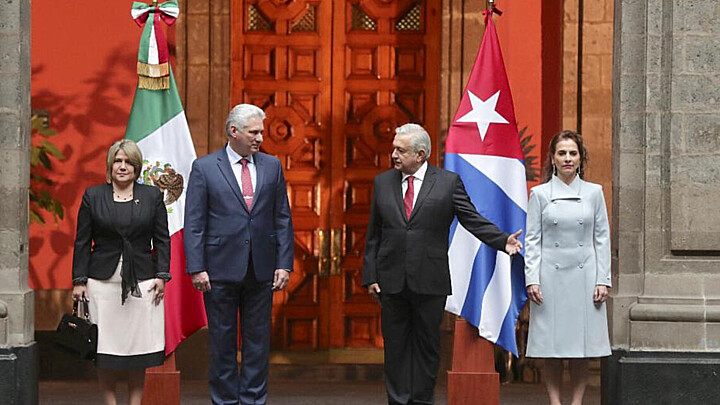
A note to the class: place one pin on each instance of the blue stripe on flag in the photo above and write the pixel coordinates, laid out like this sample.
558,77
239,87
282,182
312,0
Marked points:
507,335
482,271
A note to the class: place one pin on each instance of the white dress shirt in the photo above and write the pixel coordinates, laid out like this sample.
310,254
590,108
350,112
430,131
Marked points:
236,166
417,182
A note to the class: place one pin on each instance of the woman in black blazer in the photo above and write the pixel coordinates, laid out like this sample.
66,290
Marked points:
120,267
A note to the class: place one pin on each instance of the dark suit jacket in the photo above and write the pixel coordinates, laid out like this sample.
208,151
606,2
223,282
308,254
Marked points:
98,243
220,231
397,250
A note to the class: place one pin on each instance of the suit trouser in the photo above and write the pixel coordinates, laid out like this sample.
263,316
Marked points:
254,299
411,331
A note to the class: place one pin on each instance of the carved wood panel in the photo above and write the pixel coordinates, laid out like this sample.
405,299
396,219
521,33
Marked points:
335,78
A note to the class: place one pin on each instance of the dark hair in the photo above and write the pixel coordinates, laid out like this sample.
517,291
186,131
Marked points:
561,136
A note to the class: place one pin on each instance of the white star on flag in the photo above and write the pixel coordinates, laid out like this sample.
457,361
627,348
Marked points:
483,113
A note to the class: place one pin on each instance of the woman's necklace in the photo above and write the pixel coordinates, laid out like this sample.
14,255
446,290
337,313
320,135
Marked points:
122,197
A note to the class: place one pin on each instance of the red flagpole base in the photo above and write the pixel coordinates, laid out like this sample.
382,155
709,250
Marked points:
472,379
162,384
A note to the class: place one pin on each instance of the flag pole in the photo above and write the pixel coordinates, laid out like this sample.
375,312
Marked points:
472,379
153,129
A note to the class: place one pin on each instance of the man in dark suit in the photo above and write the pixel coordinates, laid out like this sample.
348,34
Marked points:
239,248
406,264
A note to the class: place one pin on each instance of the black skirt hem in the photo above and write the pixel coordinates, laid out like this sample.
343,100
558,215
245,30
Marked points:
115,362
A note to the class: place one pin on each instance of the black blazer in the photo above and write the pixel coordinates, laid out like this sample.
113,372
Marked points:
399,250
98,244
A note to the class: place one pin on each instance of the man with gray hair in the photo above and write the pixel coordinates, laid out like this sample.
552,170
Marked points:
239,249
405,266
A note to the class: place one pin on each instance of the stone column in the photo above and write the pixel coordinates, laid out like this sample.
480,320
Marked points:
665,314
18,353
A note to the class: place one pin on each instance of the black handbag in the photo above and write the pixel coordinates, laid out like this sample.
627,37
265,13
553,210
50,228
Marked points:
77,334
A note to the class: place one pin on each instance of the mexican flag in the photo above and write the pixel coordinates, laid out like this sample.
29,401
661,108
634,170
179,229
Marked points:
158,125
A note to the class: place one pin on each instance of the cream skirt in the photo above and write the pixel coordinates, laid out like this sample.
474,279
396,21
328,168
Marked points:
132,335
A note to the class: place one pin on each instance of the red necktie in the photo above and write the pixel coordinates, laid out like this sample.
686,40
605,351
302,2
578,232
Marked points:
247,188
409,195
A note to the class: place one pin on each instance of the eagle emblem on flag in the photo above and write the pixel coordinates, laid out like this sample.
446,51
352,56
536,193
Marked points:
164,177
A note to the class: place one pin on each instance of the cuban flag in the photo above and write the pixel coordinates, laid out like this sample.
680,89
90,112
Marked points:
483,147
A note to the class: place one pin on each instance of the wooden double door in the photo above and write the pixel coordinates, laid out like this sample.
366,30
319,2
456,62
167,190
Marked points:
335,77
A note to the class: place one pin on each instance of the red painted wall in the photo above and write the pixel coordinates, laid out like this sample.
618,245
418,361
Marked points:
531,39
83,61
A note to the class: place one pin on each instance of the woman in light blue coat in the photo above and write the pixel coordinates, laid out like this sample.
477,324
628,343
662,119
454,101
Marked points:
567,268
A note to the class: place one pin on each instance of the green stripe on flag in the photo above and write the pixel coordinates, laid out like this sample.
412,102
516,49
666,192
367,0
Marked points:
151,109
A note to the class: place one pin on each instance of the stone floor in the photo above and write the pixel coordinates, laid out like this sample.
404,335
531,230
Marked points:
297,393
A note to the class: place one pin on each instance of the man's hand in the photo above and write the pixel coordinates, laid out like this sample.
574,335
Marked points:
80,293
534,293
374,291
201,281
600,295
513,245
282,276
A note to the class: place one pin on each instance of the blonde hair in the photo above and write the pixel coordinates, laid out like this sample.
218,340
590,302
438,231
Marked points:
133,153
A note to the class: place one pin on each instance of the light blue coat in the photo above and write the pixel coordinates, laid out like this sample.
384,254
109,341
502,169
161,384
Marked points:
567,253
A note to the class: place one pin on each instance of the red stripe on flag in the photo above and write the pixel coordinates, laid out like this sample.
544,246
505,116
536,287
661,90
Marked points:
487,78
162,47
184,306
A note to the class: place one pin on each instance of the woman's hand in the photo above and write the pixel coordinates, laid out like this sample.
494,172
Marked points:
80,293
159,288
600,295
534,293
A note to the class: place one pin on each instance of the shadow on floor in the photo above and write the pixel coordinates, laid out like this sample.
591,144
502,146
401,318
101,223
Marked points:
196,392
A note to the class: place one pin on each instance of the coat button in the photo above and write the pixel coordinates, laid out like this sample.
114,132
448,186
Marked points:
555,221
557,266
580,221
580,243
247,241
557,244
580,265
